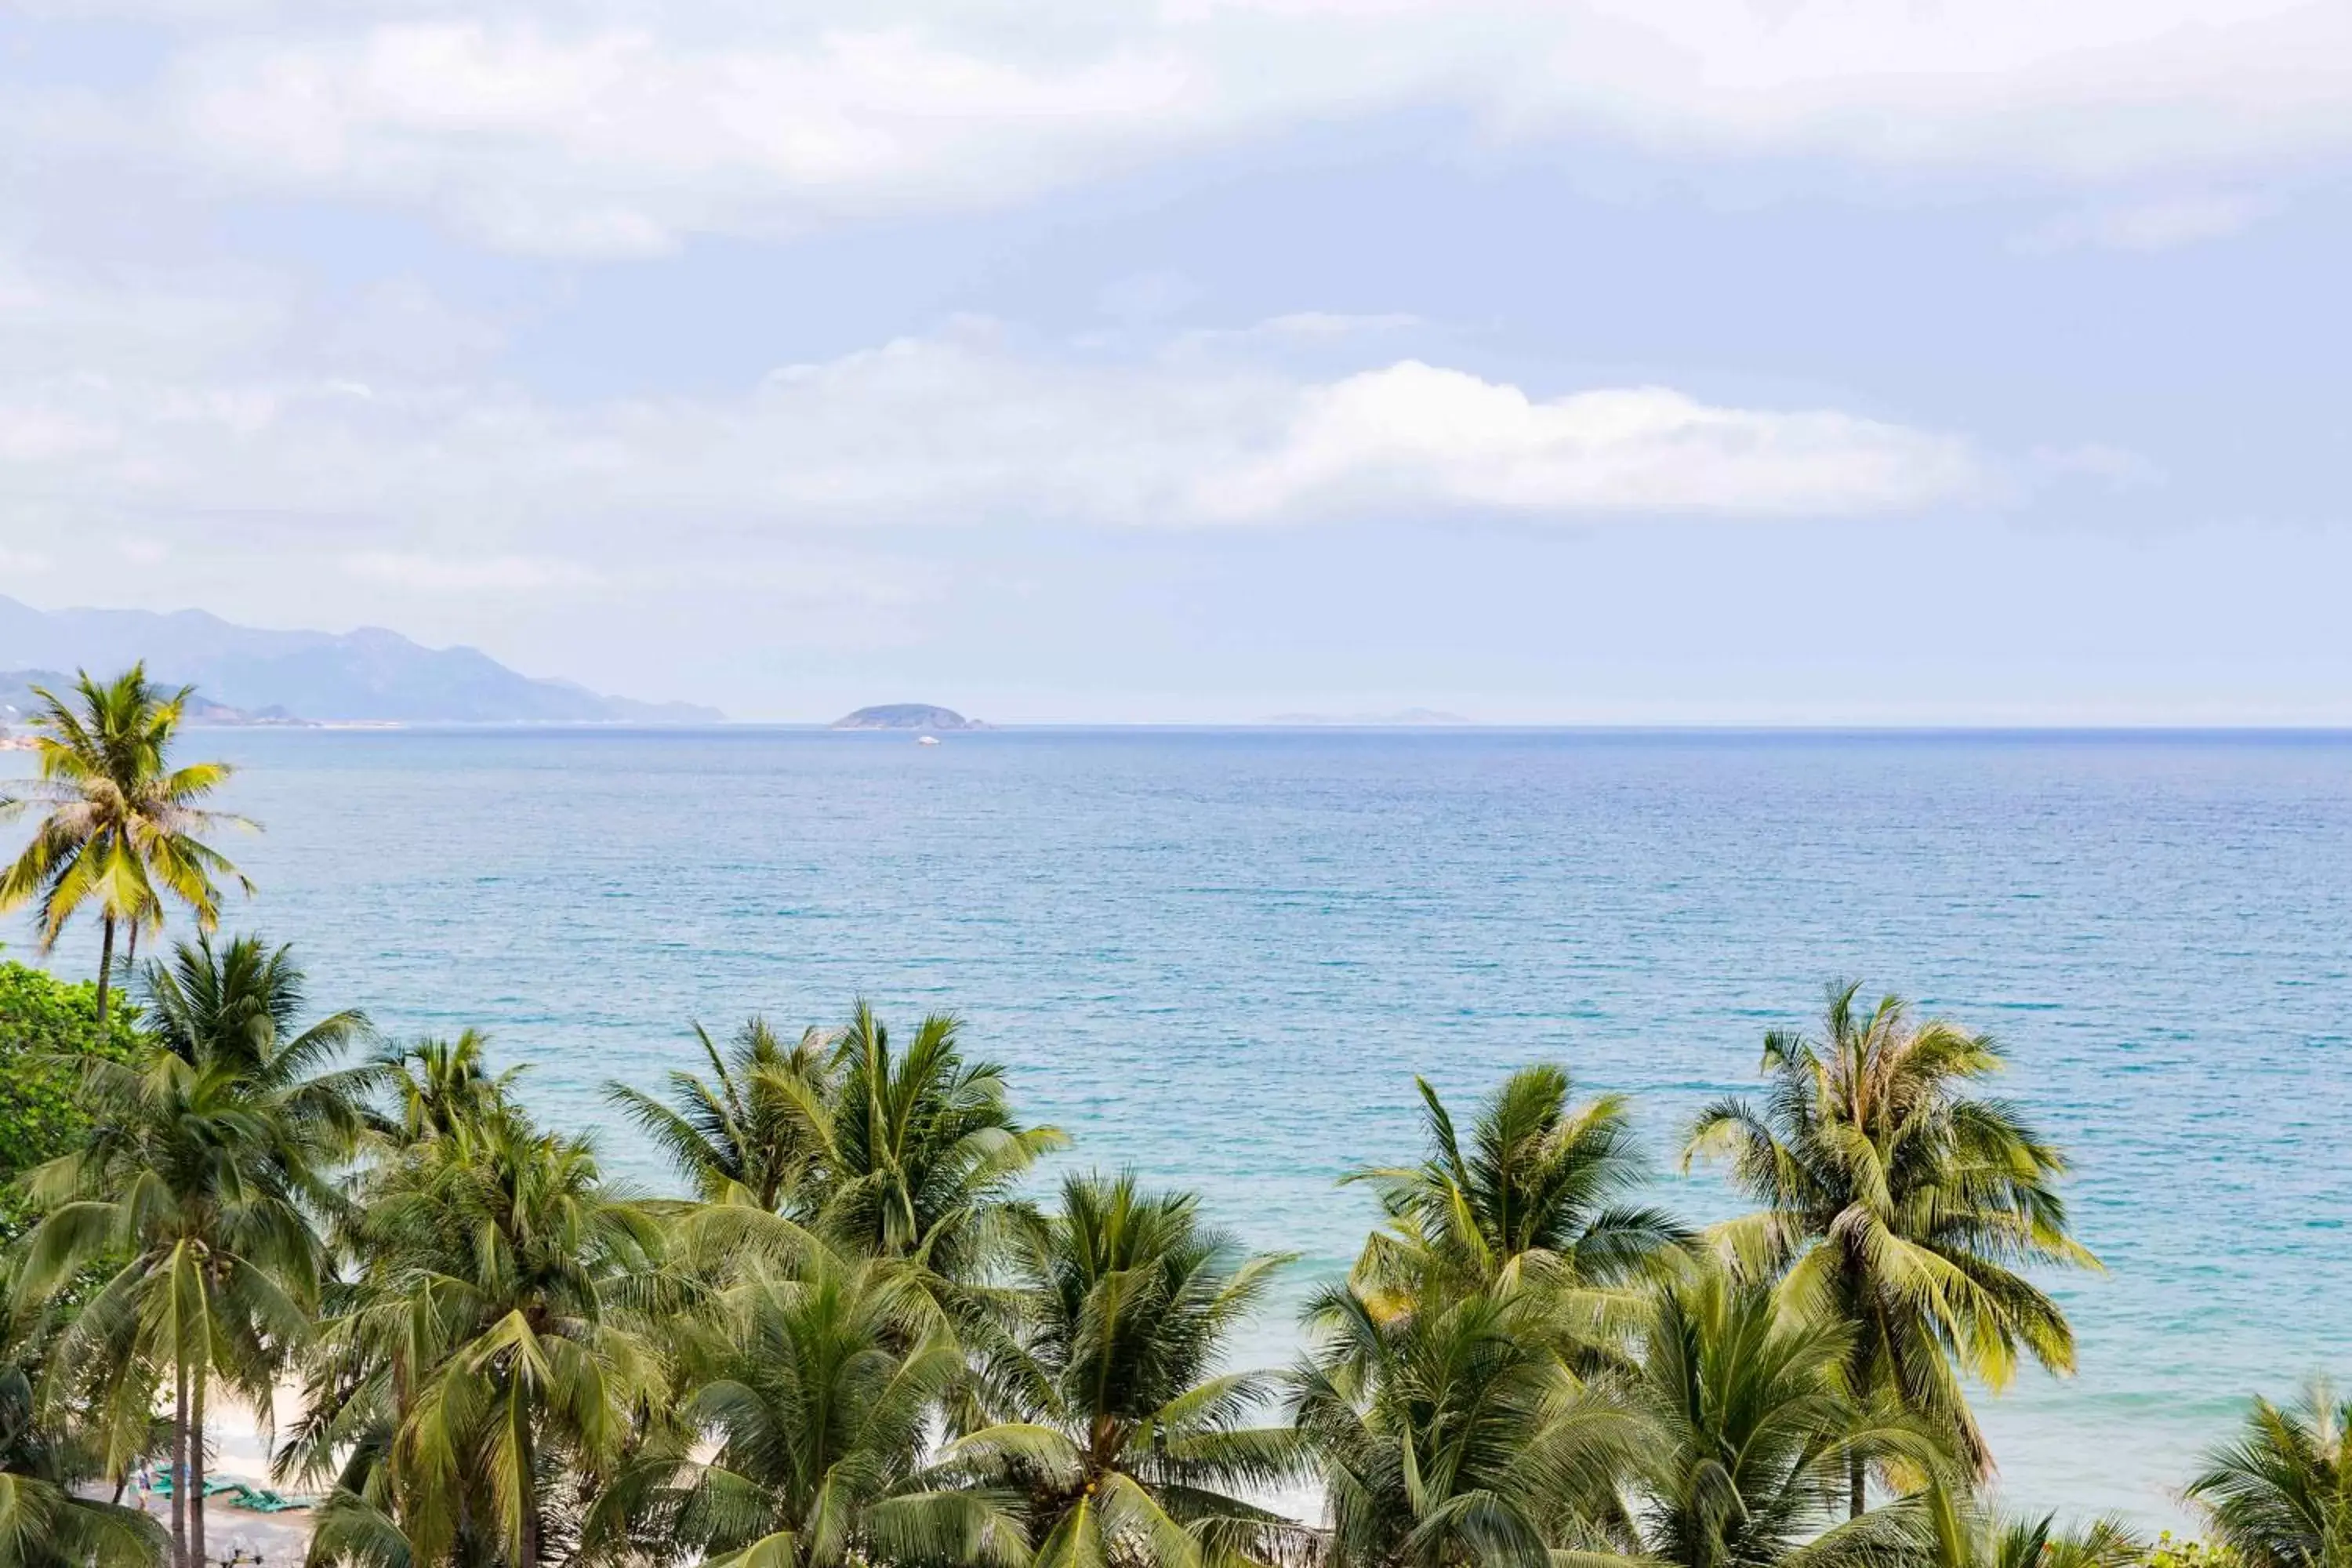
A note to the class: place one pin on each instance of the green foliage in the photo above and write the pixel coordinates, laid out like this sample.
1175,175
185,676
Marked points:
1541,1186
195,1193
752,1132
862,1343
491,1356
1130,1444
2168,1552
807,1396
44,1521
918,1152
1429,1424
2281,1496
46,1025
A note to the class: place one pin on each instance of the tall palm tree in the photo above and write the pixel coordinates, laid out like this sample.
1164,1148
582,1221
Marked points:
1730,1439
1900,1205
1425,1425
2281,1496
197,1192
484,1376
1542,1189
918,1155
1133,1440
744,1134
807,1405
121,822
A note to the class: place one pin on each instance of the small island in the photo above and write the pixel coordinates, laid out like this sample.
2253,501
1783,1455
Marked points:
906,716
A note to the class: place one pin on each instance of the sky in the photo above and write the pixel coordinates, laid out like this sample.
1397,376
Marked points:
1582,360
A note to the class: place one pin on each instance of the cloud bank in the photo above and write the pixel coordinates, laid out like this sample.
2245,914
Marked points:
462,486
623,128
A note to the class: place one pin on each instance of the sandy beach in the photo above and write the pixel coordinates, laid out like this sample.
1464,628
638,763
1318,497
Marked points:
240,1451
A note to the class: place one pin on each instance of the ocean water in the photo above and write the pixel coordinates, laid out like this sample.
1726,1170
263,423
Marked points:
1221,958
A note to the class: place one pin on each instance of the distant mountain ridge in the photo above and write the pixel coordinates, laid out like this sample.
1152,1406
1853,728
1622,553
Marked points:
19,703
370,675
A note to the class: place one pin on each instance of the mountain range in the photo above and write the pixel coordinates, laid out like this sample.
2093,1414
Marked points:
370,675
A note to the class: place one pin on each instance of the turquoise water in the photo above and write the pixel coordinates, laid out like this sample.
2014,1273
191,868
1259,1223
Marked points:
1220,957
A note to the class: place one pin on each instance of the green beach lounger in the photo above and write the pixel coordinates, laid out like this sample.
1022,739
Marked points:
215,1487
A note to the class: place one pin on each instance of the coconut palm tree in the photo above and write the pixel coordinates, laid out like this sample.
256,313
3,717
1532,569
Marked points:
1900,1205
121,822
439,1086
918,1155
1133,1441
485,1376
1425,1425
744,1134
196,1191
1730,1440
45,1522
1541,1190
806,1407
238,1006
2281,1496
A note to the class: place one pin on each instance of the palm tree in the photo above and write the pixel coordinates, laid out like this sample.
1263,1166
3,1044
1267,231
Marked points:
809,1400
1898,1203
1730,1439
484,1376
2281,1496
44,1521
240,1006
441,1086
1426,1424
196,1190
917,1156
745,1134
1540,1191
121,822
1972,1536
1133,1441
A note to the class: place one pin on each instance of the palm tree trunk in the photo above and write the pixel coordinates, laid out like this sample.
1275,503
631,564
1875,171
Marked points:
1859,1365
527,1549
105,963
180,1471
196,1472
131,949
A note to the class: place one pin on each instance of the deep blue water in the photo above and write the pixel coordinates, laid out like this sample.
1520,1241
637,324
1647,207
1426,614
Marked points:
1220,957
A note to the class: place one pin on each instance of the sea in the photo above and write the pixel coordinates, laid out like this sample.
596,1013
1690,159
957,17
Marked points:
1222,957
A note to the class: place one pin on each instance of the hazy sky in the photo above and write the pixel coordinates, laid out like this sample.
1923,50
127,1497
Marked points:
1624,360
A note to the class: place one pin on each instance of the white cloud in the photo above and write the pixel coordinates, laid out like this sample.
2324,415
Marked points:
467,487
1413,435
624,127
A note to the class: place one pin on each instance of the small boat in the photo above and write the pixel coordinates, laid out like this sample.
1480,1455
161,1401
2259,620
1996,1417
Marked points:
926,739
